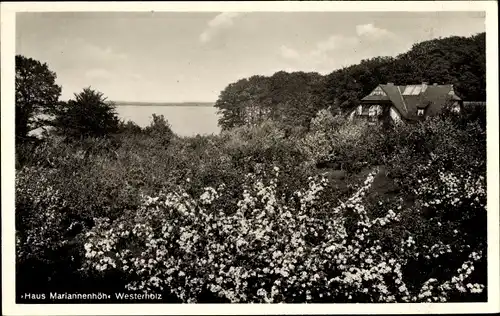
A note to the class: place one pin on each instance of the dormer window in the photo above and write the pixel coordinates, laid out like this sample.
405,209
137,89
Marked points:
420,112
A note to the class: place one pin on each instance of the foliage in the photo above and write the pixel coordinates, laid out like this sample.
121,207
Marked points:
460,61
88,115
129,127
160,129
340,144
326,121
349,85
269,250
282,233
258,213
288,98
37,95
45,251
295,98
454,60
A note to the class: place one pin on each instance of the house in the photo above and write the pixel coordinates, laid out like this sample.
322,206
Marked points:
393,103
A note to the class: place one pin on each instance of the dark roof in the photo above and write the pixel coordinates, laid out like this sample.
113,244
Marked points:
433,98
376,98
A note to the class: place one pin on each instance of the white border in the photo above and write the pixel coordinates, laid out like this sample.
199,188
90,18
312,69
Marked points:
7,43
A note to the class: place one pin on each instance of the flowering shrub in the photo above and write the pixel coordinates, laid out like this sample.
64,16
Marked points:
453,190
341,144
183,219
48,252
270,249
37,232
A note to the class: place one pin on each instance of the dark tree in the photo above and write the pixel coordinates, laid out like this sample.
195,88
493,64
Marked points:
231,103
88,115
288,98
159,130
37,95
129,127
458,60
293,99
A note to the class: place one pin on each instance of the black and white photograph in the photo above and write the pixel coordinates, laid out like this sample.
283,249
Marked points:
327,154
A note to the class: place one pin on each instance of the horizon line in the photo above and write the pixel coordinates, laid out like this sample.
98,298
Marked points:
160,102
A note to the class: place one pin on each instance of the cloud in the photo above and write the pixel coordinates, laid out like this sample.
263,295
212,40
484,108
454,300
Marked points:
137,77
221,21
289,53
339,50
102,74
81,53
320,56
371,31
86,49
334,42
98,73
101,53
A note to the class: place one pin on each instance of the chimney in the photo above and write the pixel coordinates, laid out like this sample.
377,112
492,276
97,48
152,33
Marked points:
390,83
424,86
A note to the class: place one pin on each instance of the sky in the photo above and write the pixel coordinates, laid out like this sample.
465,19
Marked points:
193,56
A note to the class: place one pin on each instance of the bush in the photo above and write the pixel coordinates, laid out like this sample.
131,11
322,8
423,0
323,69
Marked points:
326,121
129,128
265,144
184,219
271,249
439,169
160,130
49,153
349,146
46,252
88,115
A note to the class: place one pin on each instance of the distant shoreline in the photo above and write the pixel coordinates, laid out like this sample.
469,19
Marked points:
197,104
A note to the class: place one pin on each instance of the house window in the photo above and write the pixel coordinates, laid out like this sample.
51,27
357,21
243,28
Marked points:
374,112
420,112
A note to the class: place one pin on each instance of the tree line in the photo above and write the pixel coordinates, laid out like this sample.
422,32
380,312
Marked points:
293,99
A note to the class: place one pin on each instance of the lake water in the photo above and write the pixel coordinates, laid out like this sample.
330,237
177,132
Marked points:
185,120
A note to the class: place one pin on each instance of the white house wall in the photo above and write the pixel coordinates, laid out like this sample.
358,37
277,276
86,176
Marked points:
351,115
396,117
455,107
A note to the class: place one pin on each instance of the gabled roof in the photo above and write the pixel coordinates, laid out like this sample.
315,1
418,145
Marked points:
376,98
407,99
